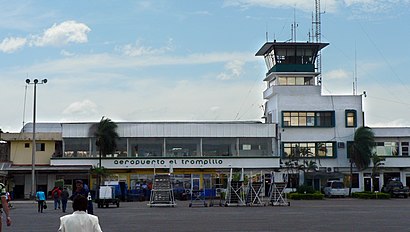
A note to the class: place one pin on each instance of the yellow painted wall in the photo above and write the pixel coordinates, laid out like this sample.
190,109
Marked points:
21,155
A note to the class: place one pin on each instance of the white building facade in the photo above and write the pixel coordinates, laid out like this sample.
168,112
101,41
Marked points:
301,126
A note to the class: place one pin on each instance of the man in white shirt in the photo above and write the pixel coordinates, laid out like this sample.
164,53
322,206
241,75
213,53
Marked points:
79,221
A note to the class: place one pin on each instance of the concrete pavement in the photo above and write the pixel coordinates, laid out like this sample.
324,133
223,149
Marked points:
326,215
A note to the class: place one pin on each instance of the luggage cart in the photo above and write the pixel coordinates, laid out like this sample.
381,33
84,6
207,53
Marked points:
277,195
162,193
197,194
217,193
235,192
253,196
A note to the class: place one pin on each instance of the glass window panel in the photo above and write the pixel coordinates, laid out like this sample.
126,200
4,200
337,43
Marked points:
291,81
300,81
146,147
218,146
302,121
182,147
255,147
76,147
282,80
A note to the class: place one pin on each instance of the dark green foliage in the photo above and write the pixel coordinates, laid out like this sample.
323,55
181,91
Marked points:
106,136
307,196
370,195
305,189
362,147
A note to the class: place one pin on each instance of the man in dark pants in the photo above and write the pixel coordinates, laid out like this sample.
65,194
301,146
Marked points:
80,190
41,198
64,199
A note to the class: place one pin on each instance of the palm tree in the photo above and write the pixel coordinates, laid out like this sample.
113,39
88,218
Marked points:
361,150
106,139
377,163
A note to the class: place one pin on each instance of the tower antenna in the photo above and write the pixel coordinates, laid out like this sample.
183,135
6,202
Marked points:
355,71
318,38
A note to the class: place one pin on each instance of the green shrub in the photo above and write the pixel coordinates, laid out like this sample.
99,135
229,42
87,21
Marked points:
370,195
307,196
305,189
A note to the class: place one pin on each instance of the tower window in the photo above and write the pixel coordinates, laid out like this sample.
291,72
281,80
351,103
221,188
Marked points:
308,119
351,118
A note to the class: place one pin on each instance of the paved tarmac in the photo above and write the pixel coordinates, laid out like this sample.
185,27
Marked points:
326,215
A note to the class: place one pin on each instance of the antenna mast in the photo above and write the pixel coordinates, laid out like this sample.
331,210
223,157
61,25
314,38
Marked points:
318,38
355,71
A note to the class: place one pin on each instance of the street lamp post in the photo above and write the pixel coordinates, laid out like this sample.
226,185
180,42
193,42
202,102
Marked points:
33,149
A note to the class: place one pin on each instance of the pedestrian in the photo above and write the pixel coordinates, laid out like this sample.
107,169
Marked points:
56,193
41,198
64,199
8,199
5,206
80,190
79,220
145,190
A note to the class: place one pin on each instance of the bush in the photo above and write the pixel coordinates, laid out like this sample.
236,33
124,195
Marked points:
307,196
305,189
370,195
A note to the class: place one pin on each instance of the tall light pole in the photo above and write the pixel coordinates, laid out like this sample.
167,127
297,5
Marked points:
33,149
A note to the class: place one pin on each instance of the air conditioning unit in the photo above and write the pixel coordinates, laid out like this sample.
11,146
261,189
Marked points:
329,169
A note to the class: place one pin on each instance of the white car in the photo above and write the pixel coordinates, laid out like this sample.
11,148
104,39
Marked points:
335,188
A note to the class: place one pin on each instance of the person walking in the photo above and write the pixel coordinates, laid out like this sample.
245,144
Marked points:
64,199
5,207
79,220
56,193
84,191
41,198
8,199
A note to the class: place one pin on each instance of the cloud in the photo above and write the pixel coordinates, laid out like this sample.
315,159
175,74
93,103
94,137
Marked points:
307,6
12,44
66,53
62,34
81,108
338,74
139,50
57,35
233,69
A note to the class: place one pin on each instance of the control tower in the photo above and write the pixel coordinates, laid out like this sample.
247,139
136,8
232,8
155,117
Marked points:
291,70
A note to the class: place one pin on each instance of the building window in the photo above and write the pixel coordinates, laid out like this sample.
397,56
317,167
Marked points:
309,149
351,118
40,146
77,147
182,147
219,147
308,119
254,147
405,148
27,145
387,148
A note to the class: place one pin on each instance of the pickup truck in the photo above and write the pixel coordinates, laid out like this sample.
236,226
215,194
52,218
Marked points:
396,189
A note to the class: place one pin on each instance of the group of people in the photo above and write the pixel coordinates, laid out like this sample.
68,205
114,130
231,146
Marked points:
82,218
60,197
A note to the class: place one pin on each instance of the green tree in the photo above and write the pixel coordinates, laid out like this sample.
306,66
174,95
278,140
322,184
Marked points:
106,140
361,150
377,163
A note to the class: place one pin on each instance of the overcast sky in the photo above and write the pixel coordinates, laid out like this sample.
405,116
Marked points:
190,60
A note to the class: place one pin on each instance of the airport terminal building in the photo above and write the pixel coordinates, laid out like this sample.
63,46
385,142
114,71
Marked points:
299,125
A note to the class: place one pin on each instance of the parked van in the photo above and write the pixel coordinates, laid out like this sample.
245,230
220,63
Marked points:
335,188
